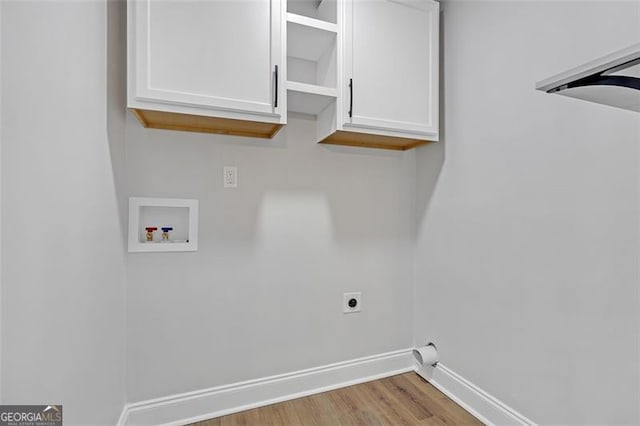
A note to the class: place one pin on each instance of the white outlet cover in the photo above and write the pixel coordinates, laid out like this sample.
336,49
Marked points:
230,177
345,302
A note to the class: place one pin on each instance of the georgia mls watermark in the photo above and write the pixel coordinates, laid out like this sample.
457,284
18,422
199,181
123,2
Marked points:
30,415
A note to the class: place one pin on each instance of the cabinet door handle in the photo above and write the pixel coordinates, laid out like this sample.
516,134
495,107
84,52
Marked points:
350,97
275,74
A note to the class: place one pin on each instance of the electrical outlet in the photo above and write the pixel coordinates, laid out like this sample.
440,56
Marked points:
352,302
230,177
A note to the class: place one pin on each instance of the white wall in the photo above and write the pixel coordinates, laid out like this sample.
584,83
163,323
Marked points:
527,237
527,253
63,276
1,205
263,294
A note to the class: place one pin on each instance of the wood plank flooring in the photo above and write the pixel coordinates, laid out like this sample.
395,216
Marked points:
406,399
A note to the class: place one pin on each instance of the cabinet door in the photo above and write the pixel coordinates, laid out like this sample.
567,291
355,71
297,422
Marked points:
391,60
207,54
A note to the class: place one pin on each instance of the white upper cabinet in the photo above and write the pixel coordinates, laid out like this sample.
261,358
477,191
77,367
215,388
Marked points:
206,58
388,75
367,69
391,64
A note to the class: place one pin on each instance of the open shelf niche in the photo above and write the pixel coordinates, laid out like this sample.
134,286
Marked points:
322,10
311,55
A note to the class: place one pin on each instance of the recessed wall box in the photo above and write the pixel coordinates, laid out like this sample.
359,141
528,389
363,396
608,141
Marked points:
177,218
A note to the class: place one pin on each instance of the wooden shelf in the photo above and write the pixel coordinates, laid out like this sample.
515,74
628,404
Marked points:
366,140
309,98
202,124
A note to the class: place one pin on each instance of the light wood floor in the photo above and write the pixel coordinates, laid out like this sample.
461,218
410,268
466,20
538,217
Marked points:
406,399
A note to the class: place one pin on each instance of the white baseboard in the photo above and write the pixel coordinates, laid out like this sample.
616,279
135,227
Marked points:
222,400
123,416
479,403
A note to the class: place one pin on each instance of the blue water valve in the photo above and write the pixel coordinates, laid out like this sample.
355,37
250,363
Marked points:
165,232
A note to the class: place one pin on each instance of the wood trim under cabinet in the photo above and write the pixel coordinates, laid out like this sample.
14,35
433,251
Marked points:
202,124
372,141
